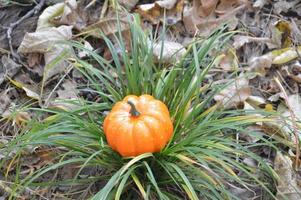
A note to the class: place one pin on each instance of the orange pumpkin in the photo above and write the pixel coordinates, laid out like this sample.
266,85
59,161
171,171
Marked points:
137,125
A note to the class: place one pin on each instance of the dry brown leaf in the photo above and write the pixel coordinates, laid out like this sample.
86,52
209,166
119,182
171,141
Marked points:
204,16
225,6
240,40
235,93
107,26
154,12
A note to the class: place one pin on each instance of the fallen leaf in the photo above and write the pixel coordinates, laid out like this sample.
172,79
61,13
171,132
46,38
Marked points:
287,187
49,13
28,88
72,15
107,26
84,53
21,117
296,78
284,6
204,16
229,61
170,10
4,102
285,55
281,34
69,92
171,51
255,101
277,57
260,3
129,4
260,64
240,40
46,41
43,41
235,93
64,13
294,102
8,68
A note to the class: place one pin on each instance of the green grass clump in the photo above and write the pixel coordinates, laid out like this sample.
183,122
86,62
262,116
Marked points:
203,160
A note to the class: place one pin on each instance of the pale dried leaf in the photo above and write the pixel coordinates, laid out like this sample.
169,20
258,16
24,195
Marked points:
46,41
255,101
284,5
48,14
170,10
108,27
229,61
69,92
8,68
235,93
61,13
240,40
72,15
129,4
4,102
294,102
260,64
280,56
31,93
168,4
287,122
283,56
171,52
287,187
23,82
43,40
83,53
260,3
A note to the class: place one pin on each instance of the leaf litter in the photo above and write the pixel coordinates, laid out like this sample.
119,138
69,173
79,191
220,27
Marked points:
266,44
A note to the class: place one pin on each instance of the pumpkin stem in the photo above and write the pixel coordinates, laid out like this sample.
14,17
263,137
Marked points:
134,112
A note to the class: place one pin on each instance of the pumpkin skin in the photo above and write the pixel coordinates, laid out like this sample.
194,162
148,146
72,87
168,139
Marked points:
132,135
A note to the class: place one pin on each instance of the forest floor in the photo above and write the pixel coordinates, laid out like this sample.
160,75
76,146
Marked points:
261,64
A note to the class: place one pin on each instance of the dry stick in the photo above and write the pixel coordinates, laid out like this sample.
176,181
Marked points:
9,31
293,122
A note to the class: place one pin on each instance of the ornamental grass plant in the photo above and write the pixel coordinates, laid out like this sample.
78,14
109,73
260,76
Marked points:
203,160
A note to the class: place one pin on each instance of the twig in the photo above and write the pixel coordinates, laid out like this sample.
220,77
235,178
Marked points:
293,122
11,27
